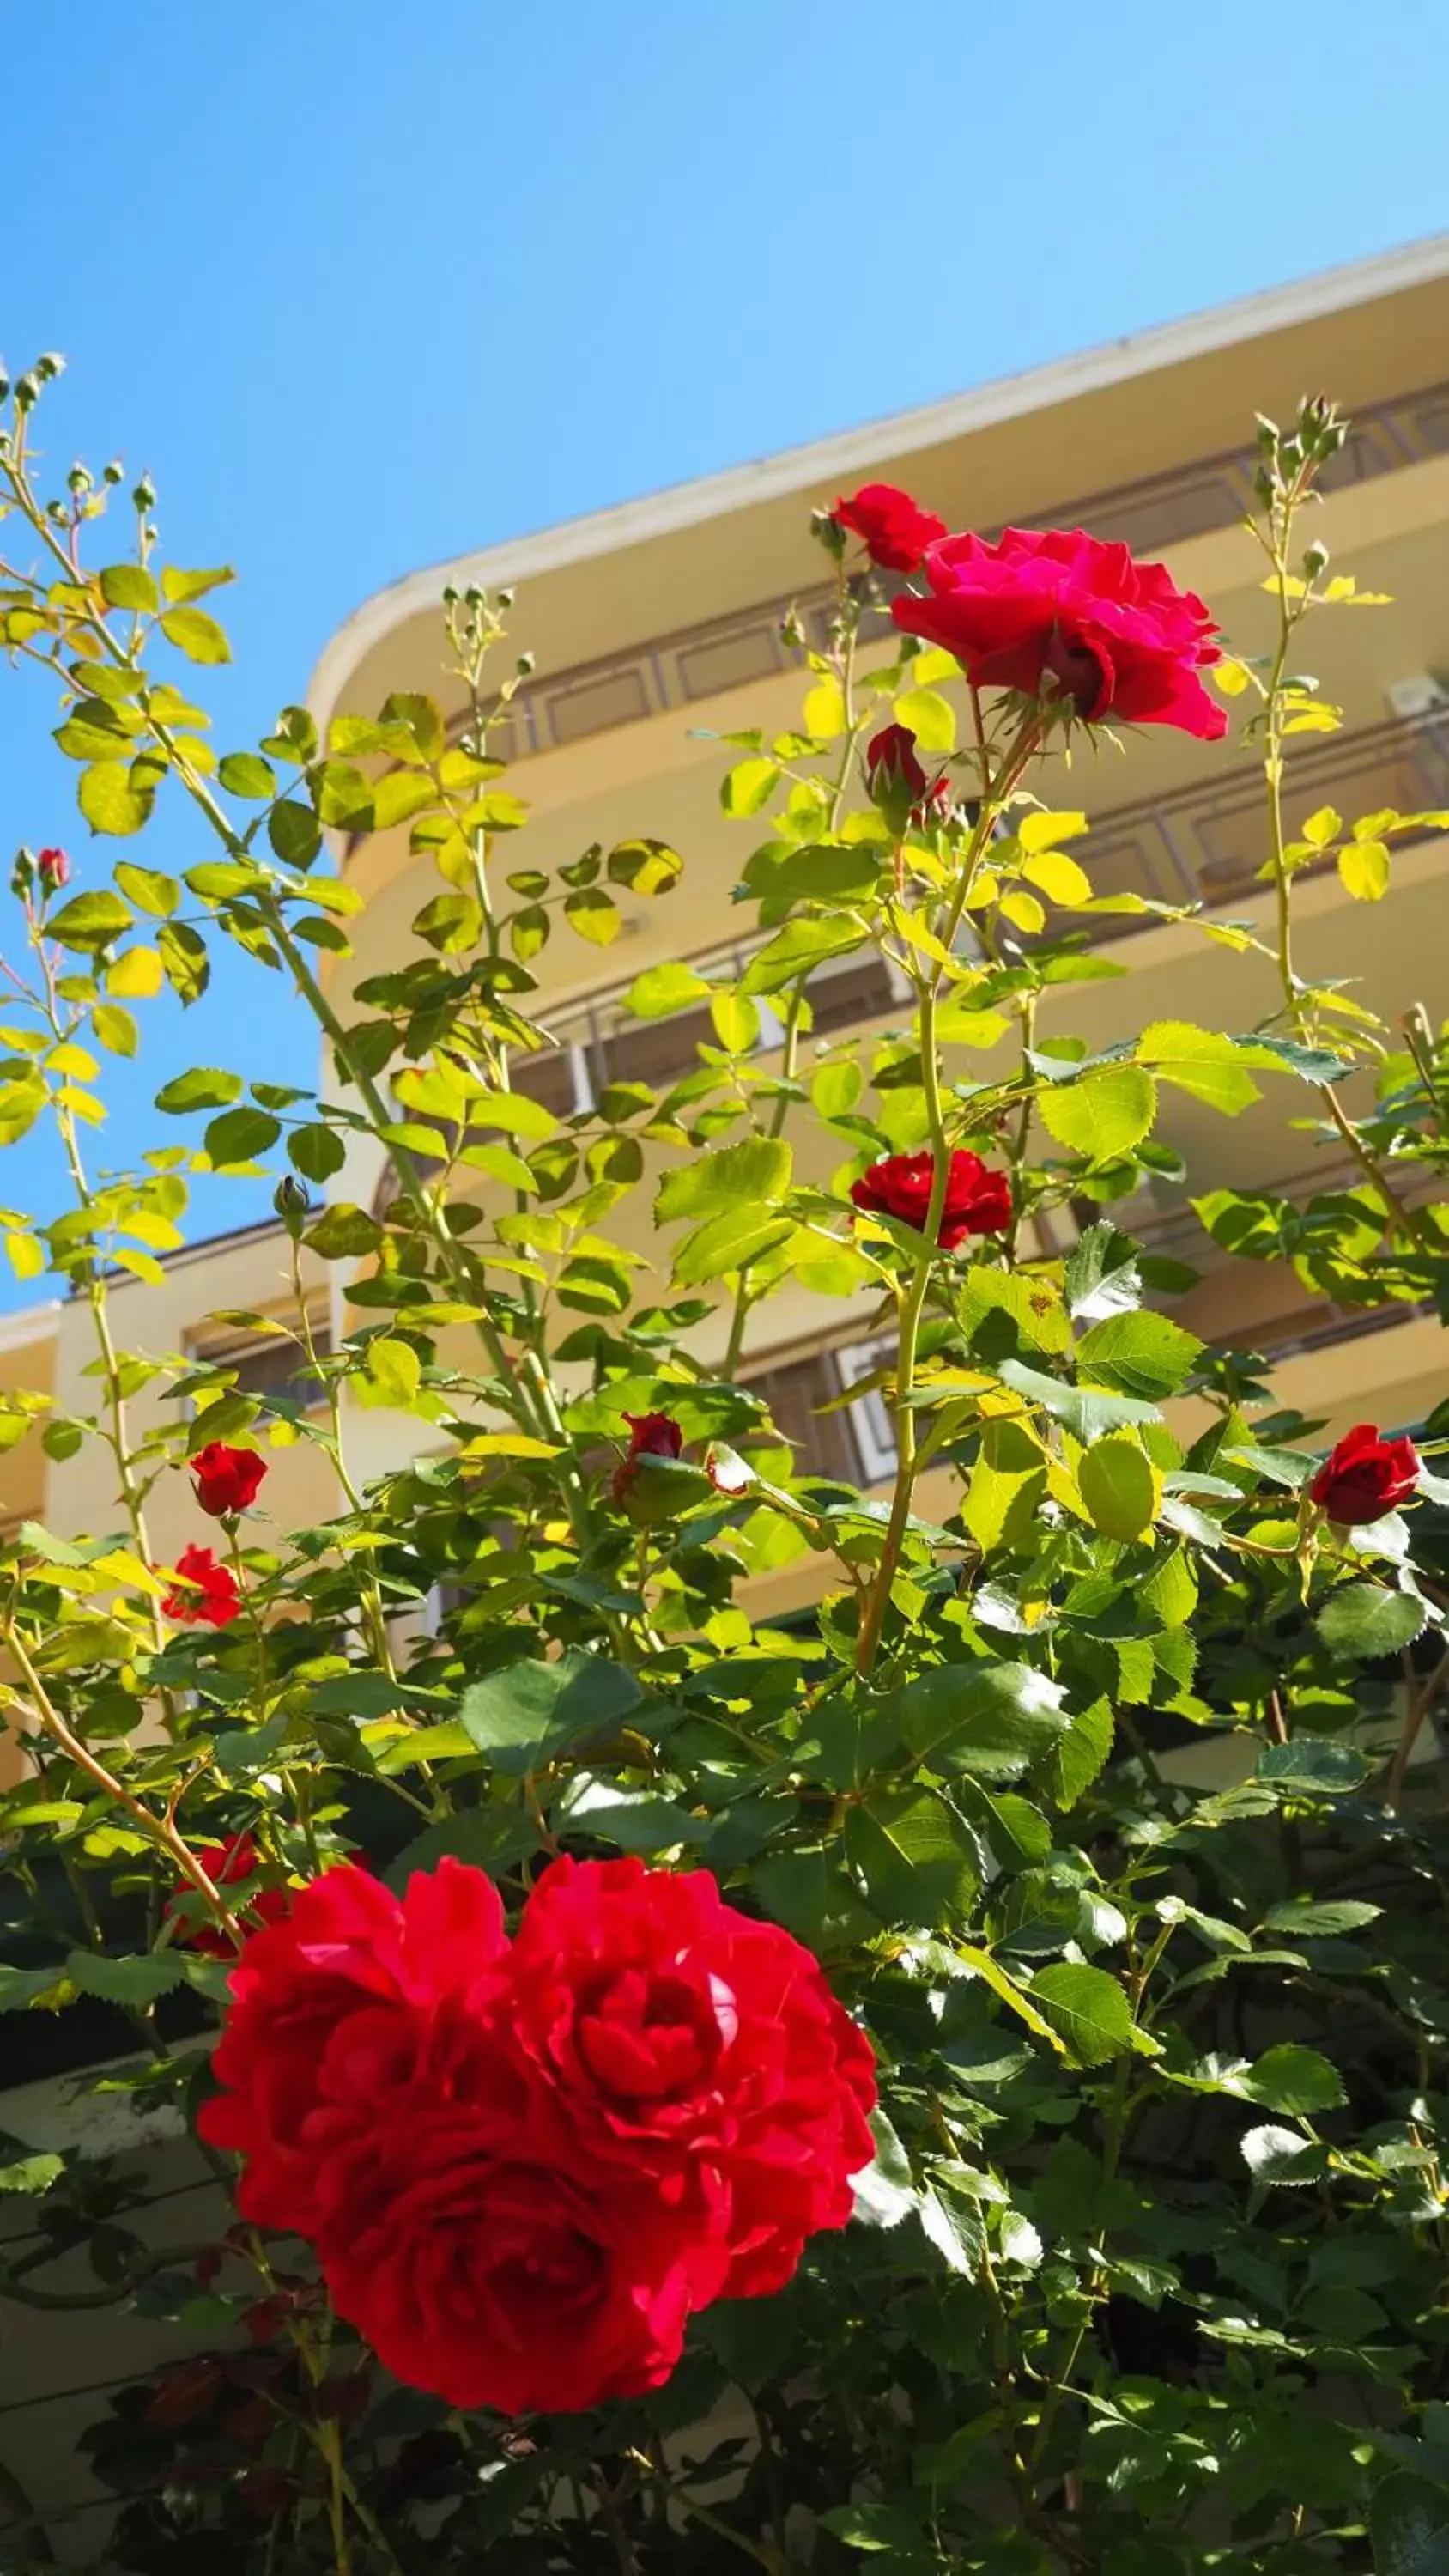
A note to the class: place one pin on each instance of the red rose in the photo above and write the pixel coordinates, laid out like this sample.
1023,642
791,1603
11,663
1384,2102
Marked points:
54,869
212,1596
891,766
651,1435
226,1480
895,531
1365,1476
697,2049
479,2271
1064,617
228,1864
978,1201
336,2012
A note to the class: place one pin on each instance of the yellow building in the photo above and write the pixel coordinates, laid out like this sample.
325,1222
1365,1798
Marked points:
657,624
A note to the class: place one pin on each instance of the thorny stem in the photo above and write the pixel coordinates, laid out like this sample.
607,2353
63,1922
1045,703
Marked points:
1291,611
157,1829
913,1303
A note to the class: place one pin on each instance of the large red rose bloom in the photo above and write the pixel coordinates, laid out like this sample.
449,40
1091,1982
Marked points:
690,2042
208,1596
1065,617
477,2271
1365,1476
978,1200
356,1996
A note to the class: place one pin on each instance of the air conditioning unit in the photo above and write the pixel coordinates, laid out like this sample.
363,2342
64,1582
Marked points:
1419,695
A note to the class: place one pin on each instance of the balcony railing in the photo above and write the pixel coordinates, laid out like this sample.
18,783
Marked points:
701,661
1206,843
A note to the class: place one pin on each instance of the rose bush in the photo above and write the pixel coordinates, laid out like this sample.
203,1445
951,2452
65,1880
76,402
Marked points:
951,2076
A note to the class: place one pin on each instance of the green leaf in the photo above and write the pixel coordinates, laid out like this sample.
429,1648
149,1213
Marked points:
395,1370
879,2526
829,875
727,1243
196,635
90,920
594,915
1274,2155
1060,878
115,1029
1120,1486
1080,1754
32,2174
753,1174
804,943
239,1136
1313,1763
206,1086
180,586
1295,2080
749,786
736,1021
1102,1116
1102,1276
1409,2524
317,1152
1146,1355
489,1838
1362,1621
245,773
148,889
645,867
932,719
1364,870
128,585
1086,2008
527,1714
344,1232
1201,1062
1086,1414
183,955
661,990
126,1981
917,1866
20,1987
294,832
991,1719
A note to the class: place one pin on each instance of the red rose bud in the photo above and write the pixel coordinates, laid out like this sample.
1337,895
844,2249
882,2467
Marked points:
894,530
978,1201
208,1596
1074,622
1365,1476
651,1435
229,1864
893,774
54,870
226,1480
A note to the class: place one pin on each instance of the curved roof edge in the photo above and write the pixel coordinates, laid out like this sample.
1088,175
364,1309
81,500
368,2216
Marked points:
681,505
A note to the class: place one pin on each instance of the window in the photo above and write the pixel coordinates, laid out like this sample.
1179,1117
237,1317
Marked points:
870,1421
268,1363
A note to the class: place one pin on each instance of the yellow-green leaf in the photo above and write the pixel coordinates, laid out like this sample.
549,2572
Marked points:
1120,1485
1059,878
136,975
196,635
1364,868
932,718
1044,831
824,711
109,801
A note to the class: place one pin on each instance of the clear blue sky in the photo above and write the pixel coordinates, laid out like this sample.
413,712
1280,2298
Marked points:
365,285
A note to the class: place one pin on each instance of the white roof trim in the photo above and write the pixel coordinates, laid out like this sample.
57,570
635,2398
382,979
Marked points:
30,1324
827,460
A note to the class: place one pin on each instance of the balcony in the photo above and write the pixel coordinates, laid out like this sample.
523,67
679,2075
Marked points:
679,669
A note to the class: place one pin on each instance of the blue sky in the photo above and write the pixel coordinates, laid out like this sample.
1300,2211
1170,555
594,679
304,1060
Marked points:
363,286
